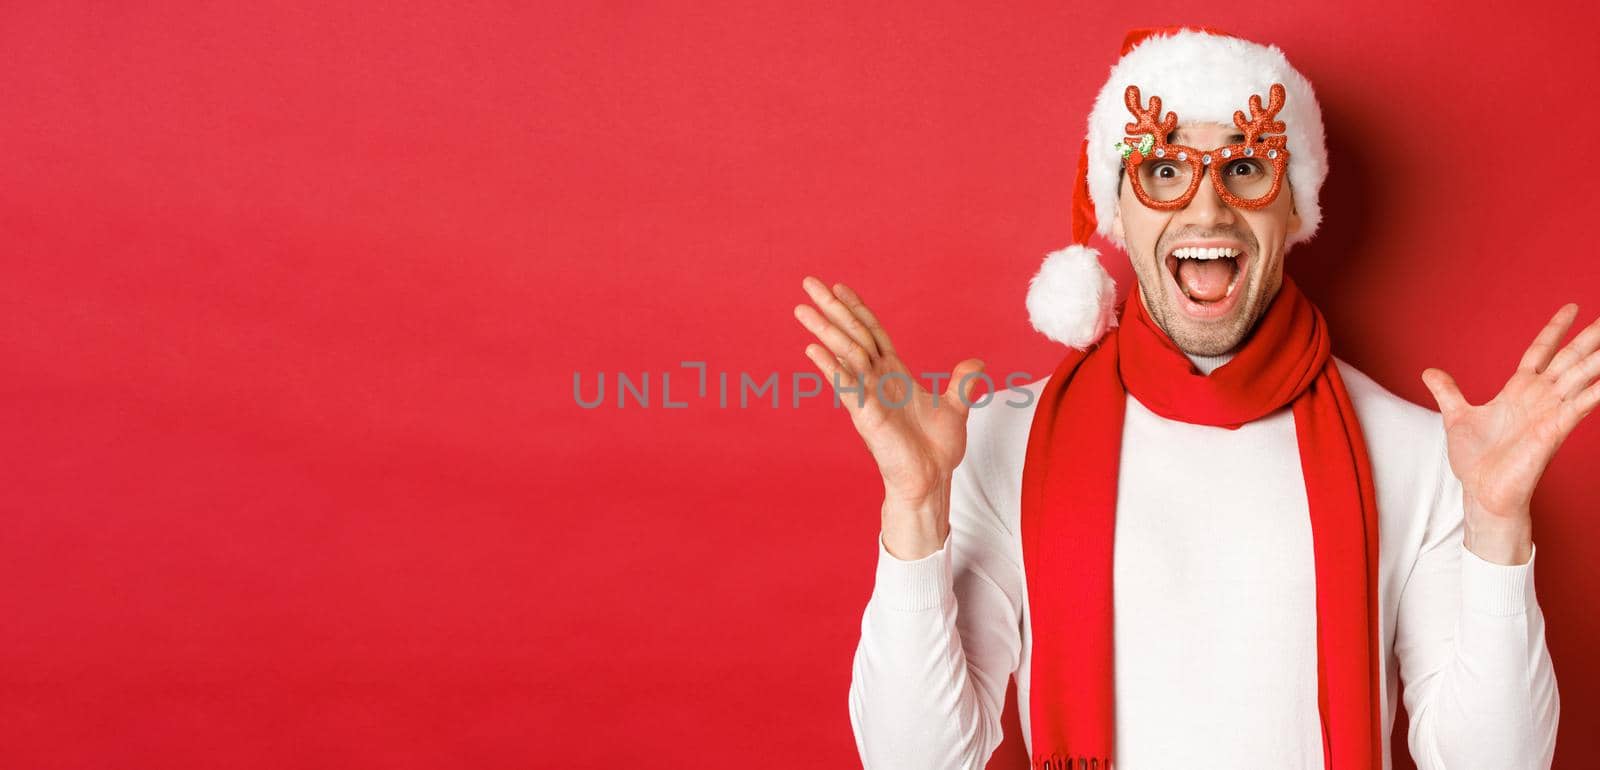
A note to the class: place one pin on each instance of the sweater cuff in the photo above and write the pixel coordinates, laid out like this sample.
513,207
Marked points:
1496,589
914,585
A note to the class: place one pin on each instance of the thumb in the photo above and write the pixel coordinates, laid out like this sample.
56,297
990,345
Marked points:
1444,390
964,380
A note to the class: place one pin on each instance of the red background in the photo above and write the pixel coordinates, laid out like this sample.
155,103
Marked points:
293,298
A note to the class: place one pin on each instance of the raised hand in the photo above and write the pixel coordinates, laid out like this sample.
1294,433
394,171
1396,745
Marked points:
916,438
1500,448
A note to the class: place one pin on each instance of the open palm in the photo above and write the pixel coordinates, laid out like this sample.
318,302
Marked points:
1500,448
916,438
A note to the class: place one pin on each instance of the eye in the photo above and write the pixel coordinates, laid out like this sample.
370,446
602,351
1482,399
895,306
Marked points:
1245,167
1165,170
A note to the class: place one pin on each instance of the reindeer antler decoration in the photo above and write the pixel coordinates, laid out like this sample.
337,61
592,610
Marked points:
1261,120
1149,122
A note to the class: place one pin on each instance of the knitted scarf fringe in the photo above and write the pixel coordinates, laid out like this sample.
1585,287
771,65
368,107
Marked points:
1059,761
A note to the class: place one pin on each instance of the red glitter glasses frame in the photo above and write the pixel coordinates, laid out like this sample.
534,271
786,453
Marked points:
1269,149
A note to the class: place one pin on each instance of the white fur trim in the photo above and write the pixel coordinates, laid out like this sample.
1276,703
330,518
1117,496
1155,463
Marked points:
1205,77
1072,299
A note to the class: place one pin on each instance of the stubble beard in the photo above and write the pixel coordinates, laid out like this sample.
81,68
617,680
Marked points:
1217,337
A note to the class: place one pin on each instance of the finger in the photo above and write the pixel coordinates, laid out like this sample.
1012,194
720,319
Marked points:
837,376
1580,346
1444,390
963,381
840,315
1574,378
840,344
1584,403
1538,354
859,308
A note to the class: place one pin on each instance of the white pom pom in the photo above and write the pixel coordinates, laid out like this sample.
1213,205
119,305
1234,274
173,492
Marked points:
1072,299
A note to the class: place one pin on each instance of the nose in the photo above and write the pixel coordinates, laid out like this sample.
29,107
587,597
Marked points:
1207,208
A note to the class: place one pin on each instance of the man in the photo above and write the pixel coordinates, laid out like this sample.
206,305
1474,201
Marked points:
1209,459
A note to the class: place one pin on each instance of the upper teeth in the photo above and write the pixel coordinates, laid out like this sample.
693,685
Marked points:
1192,252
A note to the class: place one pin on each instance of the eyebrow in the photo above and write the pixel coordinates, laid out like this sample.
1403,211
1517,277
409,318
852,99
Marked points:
1232,139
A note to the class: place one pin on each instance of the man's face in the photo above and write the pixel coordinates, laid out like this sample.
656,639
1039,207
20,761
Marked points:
1206,306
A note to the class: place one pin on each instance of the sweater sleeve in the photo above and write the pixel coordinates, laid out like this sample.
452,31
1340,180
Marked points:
939,637
1480,689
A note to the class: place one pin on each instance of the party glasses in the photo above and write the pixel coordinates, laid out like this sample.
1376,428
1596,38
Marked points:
1166,176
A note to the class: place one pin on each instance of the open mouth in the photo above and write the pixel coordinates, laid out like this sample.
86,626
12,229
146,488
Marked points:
1205,280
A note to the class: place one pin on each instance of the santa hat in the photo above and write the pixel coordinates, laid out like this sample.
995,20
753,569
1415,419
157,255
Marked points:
1201,74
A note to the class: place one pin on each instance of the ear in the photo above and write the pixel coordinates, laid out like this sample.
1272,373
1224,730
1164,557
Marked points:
1294,215
1116,227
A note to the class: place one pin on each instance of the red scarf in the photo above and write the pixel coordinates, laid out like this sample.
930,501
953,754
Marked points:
1069,498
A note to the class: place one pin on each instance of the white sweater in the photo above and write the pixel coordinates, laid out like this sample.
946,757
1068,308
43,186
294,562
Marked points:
1215,635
